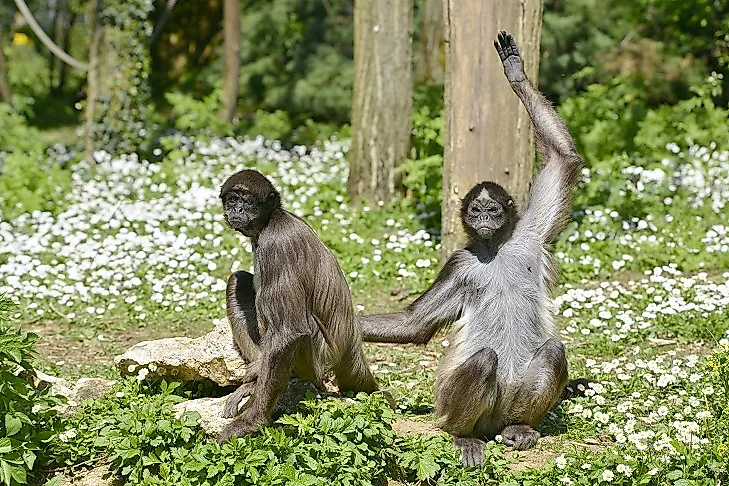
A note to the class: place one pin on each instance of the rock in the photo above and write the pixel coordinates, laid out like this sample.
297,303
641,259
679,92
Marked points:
96,476
59,386
91,388
210,409
213,356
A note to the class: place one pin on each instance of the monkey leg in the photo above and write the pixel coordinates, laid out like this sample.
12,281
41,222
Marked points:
350,368
540,389
241,310
279,352
463,396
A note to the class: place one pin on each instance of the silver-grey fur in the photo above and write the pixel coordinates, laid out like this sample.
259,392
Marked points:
504,367
294,315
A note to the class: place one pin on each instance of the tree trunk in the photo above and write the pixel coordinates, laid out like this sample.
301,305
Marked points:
66,47
6,92
382,101
430,67
57,13
488,134
92,80
231,68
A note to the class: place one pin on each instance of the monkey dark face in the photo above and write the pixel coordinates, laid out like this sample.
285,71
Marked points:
248,201
488,211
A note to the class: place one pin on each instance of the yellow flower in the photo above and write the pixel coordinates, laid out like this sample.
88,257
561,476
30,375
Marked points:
20,39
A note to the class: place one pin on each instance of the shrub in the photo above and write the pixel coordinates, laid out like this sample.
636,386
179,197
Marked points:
28,419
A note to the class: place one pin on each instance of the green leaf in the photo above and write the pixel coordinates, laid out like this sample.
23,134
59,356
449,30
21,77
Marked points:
12,424
29,458
19,474
5,446
427,467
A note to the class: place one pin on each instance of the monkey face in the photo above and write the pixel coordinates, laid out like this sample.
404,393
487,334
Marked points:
248,201
242,212
487,210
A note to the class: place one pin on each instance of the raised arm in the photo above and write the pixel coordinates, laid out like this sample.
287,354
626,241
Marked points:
438,306
548,208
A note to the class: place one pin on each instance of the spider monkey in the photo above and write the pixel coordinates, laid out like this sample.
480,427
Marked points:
294,315
504,367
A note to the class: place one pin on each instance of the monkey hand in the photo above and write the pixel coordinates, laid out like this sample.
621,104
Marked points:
509,54
232,403
390,400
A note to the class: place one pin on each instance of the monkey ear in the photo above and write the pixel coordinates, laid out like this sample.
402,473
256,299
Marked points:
509,203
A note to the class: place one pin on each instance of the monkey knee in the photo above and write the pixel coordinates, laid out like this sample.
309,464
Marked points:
481,365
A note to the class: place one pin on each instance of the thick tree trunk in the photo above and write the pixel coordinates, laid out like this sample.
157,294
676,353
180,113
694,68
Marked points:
92,80
231,68
431,65
382,97
6,92
488,133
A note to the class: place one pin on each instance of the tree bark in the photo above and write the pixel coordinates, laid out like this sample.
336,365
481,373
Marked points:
6,92
431,65
92,80
488,133
231,68
383,92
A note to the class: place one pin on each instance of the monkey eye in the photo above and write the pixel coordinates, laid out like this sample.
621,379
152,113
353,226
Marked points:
494,209
474,210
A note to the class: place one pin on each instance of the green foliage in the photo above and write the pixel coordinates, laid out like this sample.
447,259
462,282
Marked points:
29,76
296,56
199,117
15,133
331,441
27,421
660,47
123,119
423,174
28,184
612,119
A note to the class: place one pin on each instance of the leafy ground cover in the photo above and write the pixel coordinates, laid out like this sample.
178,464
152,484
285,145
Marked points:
131,251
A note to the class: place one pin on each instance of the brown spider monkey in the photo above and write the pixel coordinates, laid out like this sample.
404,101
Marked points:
294,315
504,367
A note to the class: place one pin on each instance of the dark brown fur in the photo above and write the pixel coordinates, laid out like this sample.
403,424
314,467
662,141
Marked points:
295,316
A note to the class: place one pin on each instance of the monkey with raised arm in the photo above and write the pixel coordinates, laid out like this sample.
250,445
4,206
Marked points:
294,316
504,367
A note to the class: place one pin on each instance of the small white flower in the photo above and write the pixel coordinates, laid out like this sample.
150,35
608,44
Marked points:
560,461
608,475
626,470
119,394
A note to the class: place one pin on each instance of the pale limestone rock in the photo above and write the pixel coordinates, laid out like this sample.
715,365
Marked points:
213,356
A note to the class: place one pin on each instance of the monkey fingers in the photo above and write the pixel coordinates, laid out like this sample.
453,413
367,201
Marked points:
520,437
232,403
471,450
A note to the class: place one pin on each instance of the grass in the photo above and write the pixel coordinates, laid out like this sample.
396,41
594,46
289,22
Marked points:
137,252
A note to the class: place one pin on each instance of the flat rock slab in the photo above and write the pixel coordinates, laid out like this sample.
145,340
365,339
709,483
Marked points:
75,393
213,356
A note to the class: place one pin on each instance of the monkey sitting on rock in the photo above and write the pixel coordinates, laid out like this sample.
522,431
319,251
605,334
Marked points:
504,367
294,315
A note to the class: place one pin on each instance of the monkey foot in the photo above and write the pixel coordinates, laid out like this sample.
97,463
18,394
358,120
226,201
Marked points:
232,403
238,428
519,437
471,451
